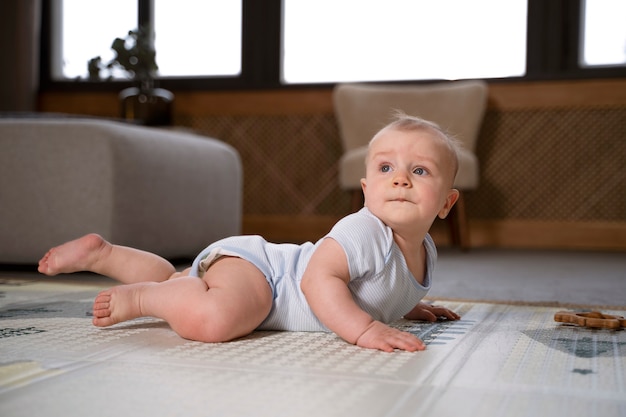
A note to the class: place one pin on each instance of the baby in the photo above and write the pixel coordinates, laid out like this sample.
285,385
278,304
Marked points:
372,268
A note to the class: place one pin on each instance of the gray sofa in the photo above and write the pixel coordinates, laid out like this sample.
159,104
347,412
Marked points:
163,190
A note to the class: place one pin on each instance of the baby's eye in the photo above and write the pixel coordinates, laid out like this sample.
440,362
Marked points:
385,168
420,171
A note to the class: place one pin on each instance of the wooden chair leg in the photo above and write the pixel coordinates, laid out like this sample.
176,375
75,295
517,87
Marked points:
459,229
357,201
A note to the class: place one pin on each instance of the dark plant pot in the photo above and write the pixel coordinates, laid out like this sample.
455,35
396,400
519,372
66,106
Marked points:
149,108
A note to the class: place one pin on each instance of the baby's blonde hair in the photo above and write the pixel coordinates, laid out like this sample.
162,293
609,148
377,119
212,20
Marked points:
406,123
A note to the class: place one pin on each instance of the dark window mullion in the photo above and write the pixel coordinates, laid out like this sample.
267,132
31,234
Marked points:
145,12
545,56
572,32
261,43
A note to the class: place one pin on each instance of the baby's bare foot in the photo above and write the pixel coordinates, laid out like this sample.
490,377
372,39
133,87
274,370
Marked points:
73,256
117,304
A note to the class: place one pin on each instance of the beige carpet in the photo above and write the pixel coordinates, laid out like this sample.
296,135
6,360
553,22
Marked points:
498,360
567,277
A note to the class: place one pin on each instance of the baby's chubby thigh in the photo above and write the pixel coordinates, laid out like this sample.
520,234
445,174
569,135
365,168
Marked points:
184,273
240,293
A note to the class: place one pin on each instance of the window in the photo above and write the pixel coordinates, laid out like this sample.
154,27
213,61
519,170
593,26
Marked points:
252,44
356,40
198,37
604,33
192,37
87,30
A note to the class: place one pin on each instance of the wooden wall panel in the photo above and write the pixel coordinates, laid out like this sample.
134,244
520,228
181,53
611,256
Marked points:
551,153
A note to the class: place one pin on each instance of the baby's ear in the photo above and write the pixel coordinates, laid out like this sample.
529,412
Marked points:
453,197
363,187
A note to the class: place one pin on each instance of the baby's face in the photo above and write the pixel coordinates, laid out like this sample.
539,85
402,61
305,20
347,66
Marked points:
408,179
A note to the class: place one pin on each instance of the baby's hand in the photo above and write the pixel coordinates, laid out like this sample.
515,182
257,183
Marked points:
427,312
385,338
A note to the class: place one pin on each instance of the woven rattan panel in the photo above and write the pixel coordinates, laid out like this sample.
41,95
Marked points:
290,162
556,164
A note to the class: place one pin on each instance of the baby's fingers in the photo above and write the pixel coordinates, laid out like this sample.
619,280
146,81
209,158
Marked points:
444,312
387,339
389,345
410,343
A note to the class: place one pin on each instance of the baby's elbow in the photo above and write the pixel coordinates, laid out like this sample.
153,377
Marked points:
311,285
305,284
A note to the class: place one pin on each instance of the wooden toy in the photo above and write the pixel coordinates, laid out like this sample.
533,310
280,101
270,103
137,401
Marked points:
593,319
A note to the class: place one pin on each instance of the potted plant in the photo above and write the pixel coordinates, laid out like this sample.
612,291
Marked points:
135,55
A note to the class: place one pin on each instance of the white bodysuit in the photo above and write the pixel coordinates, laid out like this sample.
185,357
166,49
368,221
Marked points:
380,280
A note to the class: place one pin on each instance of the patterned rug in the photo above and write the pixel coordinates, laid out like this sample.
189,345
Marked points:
511,360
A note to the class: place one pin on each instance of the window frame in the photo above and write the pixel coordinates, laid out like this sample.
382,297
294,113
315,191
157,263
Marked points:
552,51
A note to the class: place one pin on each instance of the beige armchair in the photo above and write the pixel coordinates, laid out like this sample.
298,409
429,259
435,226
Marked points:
457,106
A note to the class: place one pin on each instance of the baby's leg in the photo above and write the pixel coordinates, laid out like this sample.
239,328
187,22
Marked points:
184,273
230,301
94,254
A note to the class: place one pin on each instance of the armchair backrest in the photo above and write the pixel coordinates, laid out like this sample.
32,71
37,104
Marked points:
363,109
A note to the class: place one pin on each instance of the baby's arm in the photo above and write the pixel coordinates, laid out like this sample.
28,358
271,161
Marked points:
325,286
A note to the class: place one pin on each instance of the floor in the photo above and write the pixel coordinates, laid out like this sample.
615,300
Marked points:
567,277
499,359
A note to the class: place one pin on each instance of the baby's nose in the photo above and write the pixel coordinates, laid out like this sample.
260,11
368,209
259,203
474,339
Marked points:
401,182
